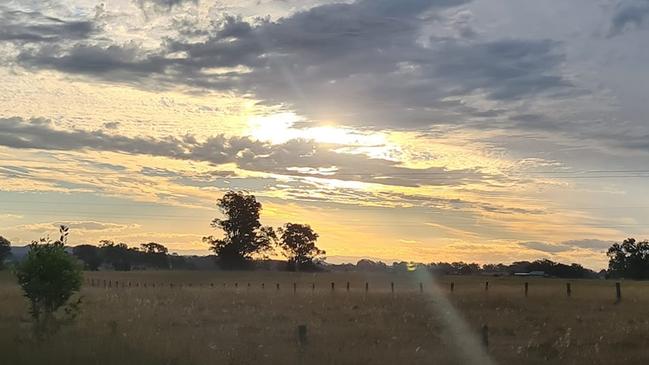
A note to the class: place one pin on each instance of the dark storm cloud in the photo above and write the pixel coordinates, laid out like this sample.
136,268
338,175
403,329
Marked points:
295,157
110,62
362,63
25,27
629,14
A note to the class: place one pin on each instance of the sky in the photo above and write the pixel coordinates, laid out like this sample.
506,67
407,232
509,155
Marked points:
419,130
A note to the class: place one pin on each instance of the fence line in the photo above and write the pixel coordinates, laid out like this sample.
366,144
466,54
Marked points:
110,284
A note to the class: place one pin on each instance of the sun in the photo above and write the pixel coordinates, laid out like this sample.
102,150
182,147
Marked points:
281,127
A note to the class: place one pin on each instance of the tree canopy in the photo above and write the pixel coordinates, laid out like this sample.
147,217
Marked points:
629,259
5,250
243,234
298,242
49,276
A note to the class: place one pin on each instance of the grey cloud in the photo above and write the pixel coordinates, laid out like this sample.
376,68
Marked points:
295,157
629,14
162,5
113,62
545,247
590,244
30,27
111,125
586,244
38,134
360,63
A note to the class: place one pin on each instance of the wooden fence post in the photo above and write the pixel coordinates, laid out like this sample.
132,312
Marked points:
452,287
392,287
618,292
527,287
421,287
294,287
262,285
486,286
277,285
236,285
312,286
485,336
367,287
301,342
301,335
348,286
568,290
333,285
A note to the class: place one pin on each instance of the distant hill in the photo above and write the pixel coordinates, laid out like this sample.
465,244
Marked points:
18,252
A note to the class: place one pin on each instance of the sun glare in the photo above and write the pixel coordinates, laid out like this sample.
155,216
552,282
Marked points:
282,127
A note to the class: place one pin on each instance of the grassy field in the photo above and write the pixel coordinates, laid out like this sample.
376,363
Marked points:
212,322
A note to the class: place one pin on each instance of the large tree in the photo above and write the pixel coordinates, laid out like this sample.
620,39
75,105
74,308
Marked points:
299,244
243,234
629,259
5,250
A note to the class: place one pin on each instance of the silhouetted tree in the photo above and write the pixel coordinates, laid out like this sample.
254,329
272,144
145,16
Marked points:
154,248
369,265
155,255
118,255
244,235
90,256
49,276
5,251
298,243
630,259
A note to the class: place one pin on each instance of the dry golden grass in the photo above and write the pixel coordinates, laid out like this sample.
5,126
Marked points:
205,324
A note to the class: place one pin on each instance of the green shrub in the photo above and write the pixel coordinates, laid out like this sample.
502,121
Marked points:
49,276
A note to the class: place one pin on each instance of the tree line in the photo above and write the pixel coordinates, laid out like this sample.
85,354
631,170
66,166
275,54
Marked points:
245,242
550,268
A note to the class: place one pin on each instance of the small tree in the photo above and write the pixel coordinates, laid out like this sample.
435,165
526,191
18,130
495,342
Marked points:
244,235
298,243
49,276
5,251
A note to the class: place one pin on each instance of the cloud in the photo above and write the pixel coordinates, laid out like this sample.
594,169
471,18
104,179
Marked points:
545,247
629,14
585,244
295,157
35,27
86,226
364,63
590,244
162,5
